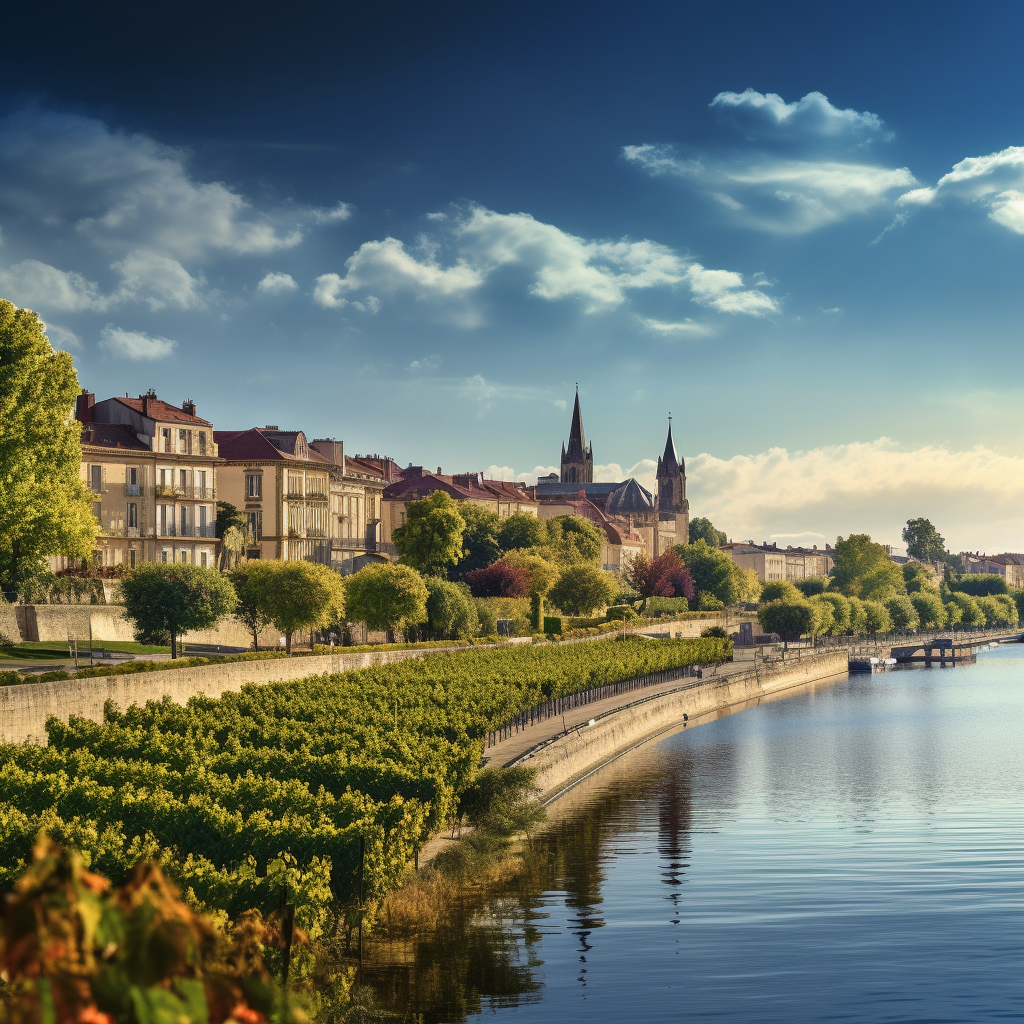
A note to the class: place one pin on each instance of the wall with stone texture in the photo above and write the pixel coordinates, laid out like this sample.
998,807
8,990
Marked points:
24,708
571,757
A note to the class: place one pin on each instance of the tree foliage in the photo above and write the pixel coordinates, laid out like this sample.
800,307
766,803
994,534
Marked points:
228,516
901,612
863,569
166,599
664,576
253,582
703,529
502,579
542,573
779,590
521,530
386,597
811,586
981,584
876,617
789,619
917,576
451,611
303,596
842,618
45,508
581,589
430,540
712,571
931,613
480,546
923,541
573,540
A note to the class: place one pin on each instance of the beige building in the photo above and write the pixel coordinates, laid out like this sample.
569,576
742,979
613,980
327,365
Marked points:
501,497
772,563
1010,566
151,468
622,540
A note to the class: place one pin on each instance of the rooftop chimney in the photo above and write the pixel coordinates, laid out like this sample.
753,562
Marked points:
83,406
438,470
188,407
149,396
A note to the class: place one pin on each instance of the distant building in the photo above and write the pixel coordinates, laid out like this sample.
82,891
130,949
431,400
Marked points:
578,457
152,470
621,541
772,563
1009,565
501,497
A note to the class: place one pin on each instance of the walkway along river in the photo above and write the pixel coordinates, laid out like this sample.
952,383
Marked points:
845,850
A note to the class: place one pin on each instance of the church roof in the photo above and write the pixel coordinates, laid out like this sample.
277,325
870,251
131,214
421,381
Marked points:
577,446
630,499
670,462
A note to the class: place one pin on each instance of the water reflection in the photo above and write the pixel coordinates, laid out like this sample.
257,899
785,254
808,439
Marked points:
849,852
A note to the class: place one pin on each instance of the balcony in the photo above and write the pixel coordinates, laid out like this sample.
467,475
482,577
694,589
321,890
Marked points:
186,491
361,544
166,491
177,530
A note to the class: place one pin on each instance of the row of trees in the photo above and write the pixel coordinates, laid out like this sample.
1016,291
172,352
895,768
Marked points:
869,593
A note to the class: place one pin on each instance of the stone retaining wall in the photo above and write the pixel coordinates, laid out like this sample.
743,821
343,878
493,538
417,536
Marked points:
24,708
570,757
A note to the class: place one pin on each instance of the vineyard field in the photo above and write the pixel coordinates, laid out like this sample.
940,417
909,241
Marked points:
236,794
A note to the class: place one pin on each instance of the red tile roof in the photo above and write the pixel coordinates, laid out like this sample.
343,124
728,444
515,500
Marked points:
461,486
161,410
253,446
111,435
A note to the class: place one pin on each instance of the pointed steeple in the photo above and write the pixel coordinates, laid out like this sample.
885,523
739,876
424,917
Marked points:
577,458
669,458
577,443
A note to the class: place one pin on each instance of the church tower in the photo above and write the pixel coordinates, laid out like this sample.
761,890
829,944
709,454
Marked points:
672,502
577,458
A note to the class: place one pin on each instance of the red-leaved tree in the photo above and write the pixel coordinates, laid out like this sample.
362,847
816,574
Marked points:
664,576
499,580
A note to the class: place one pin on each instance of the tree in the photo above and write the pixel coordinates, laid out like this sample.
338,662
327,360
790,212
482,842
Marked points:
711,571
917,576
982,584
253,582
789,619
499,580
863,569
703,529
999,609
779,590
232,545
430,540
858,616
45,508
823,621
166,599
931,613
228,516
451,613
541,572
574,540
811,586
521,530
923,541
971,613
480,546
876,617
664,576
303,596
841,612
581,589
386,597
748,586
901,612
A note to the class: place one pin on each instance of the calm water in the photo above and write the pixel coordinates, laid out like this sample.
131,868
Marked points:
854,852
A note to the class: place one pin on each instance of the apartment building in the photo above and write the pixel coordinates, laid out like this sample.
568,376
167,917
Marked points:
772,563
151,467
1010,566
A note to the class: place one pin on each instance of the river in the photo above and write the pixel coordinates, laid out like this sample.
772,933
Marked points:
849,851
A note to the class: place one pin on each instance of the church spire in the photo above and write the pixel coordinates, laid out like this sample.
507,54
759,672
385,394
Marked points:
669,459
577,458
577,443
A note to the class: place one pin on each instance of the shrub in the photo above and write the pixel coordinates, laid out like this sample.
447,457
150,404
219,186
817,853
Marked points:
812,586
876,617
779,590
553,625
902,612
499,580
982,584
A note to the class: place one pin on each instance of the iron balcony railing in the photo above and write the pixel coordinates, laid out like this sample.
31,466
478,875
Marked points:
192,491
177,530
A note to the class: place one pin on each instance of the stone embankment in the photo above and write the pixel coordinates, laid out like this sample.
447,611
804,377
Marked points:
24,708
562,759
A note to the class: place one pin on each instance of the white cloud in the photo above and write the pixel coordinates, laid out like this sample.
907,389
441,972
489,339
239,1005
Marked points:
35,285
975,497
996,181
135,345
500,473
335,215
812,115
559,265
426,363
537,471
668,329
276,283
481,391
157,280
62,338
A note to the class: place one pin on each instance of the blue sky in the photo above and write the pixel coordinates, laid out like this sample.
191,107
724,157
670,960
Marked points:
799,228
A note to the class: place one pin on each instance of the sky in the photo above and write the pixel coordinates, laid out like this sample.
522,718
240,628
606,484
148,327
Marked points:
796,228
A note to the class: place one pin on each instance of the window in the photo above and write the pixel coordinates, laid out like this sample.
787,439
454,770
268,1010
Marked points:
97,508
254,526
133,514
183,478
202,520
184,520
163,555
165,435
184,556
202,559
131,558
202,442
183,445
201,482
254,485
96,478
132,479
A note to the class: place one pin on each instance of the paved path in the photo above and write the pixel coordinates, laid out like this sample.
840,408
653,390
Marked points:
514,746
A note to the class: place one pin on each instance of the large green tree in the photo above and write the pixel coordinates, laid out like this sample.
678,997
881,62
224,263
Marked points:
573,540
790,619
712,571
923,541
480,547
931,612
253,581
430,540
521,530
164,600
703,529
582,588
451,611
902,612
864,569
45,508
980,584
386,597
302,596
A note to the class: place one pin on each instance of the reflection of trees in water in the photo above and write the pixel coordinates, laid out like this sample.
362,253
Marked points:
483,954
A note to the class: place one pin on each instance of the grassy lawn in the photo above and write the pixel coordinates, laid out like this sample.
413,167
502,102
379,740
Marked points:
47,650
